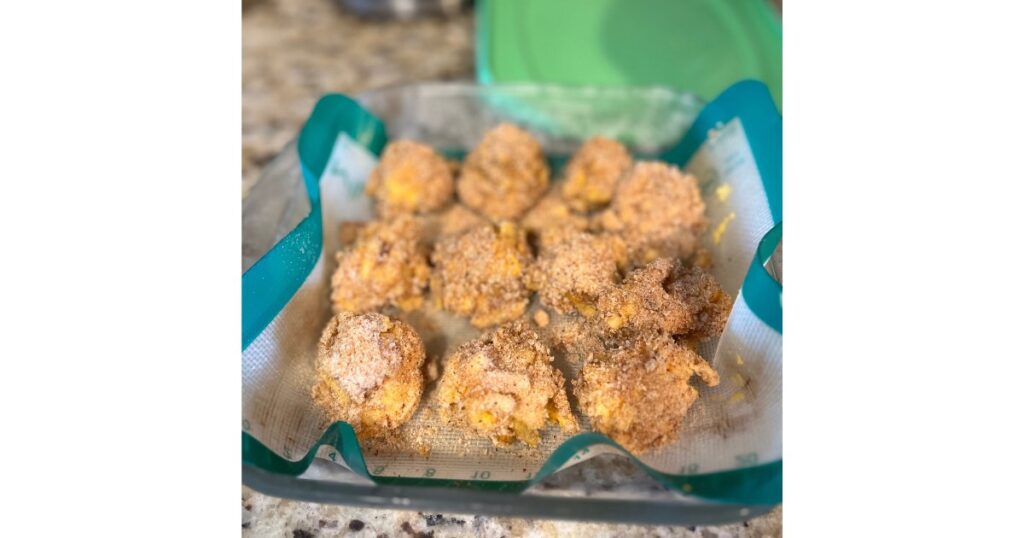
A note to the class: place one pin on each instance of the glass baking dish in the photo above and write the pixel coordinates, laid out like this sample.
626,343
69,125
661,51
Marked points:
653,122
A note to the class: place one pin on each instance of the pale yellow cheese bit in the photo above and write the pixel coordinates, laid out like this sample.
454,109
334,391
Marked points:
716,236
723,191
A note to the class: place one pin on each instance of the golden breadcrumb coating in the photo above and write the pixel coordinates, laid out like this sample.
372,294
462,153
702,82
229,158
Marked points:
704,297
504,175
571,274
552,217
658,211
664,296
593,172
410,178
642,305
368,372
638,394
459,218
386,265
480,273
503,386
574,339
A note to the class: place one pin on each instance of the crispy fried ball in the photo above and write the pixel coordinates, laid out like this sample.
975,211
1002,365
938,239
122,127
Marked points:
504,175
704,297
658,211
638,394
459,218
386,265
551,218
480,273
571,274
368,372
593,172
503,386
411,178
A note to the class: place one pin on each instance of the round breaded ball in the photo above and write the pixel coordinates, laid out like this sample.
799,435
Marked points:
480,273
386,265
571,274
503,386
369,372
504,175
658,212
642,305
664,296
638,394
410,178
593,173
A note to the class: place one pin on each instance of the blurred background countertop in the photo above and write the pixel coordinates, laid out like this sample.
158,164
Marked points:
294,51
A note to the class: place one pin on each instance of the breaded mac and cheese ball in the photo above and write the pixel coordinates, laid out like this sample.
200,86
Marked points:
641,304
369,372
658,212
410,178
593,173
664,296
638,394
480,274
573,273
503,386
386,265
504,175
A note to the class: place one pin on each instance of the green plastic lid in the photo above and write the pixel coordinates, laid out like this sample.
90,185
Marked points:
700,46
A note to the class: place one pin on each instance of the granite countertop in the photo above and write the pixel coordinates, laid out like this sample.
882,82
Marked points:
294,51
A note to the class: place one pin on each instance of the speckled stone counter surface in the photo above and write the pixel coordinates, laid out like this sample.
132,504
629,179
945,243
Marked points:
294,51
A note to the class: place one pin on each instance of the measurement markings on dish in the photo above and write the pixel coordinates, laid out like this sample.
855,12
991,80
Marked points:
746,460
691,468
